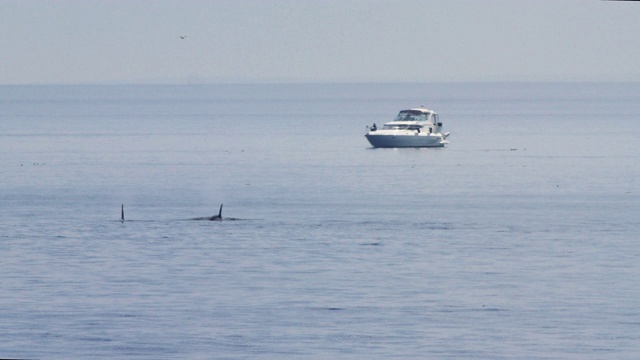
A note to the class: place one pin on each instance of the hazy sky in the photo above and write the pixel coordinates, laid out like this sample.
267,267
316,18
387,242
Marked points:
94,41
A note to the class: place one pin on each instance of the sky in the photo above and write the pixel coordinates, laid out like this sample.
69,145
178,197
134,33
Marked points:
123,41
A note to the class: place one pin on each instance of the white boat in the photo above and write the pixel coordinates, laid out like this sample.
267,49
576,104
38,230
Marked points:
417,127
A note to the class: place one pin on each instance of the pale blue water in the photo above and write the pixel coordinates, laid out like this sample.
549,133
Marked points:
517,241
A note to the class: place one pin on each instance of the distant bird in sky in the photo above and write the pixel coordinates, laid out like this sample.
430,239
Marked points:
183,37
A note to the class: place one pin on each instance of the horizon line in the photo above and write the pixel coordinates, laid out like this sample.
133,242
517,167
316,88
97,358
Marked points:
318,82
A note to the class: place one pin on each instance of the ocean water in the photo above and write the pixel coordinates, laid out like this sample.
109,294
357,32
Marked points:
519,240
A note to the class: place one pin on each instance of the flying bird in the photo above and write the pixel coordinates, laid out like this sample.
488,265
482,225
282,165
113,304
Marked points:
183,37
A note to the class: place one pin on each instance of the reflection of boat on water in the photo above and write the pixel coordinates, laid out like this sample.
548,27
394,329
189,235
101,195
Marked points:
411,128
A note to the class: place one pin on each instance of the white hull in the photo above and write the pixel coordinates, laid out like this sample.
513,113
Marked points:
378,139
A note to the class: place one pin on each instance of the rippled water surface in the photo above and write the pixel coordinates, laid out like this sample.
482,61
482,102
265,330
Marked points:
517,240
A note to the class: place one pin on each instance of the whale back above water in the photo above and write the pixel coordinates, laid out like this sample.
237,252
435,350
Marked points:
217,217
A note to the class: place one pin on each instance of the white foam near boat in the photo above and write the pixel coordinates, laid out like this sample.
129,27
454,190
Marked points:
419,127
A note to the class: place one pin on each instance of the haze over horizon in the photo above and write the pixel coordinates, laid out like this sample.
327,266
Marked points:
99,41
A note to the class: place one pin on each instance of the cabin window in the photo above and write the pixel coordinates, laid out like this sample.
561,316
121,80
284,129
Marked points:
395,127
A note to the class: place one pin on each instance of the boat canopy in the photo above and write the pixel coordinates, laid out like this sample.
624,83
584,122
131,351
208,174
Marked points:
413,115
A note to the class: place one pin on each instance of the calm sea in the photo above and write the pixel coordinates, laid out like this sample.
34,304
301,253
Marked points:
519,240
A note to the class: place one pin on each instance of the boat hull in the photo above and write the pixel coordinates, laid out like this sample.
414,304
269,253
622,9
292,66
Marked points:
398,141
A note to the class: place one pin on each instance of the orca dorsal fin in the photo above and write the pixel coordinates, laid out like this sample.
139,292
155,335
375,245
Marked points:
122,213
217,217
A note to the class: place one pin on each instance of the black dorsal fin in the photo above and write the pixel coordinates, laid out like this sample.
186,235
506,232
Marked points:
122,213
217,217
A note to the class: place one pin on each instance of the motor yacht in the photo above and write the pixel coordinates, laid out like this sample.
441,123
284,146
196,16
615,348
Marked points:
419,127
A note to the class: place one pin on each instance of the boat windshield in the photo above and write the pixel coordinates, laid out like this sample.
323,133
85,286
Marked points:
411,115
